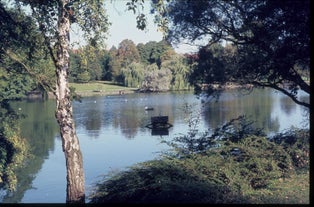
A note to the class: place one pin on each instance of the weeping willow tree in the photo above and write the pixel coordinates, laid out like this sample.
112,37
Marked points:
179,70
54,18
133,74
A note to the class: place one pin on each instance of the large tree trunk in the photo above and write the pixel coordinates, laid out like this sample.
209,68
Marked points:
64,113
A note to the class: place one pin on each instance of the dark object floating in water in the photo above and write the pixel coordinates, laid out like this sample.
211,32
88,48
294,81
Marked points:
160,132
159,122
148,108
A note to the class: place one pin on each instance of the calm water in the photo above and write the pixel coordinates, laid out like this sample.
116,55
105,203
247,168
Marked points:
113,135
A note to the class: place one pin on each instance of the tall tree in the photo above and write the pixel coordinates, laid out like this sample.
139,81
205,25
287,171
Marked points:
104,61
272,37
143,52
18,44
54,19
179,71
156,80
86,64
114,66
127,52
133,74
153,52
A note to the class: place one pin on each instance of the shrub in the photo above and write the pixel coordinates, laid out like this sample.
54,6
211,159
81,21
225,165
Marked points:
159,181
235,164
296,143
13,151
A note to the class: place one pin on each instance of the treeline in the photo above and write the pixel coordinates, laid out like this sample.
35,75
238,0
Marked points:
153,66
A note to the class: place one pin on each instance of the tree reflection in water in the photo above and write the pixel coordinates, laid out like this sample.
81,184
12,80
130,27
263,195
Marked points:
39,128
99,119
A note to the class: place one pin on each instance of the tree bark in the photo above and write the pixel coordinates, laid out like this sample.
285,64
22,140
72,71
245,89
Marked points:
64,112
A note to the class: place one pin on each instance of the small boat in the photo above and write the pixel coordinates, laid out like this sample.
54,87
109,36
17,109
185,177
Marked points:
159,122
148,108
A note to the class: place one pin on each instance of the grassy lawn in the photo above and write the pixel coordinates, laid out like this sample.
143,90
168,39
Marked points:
100,88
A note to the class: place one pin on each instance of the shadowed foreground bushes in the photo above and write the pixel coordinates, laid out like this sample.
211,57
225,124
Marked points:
160,181
248,169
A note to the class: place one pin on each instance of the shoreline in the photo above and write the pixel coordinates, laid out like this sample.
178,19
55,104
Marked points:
104,93
230,85
92,91
89,93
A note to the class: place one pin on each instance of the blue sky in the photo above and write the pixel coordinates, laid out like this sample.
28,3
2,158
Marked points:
123,26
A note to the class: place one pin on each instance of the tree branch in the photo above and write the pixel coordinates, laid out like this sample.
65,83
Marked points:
276,87
47,41
40,81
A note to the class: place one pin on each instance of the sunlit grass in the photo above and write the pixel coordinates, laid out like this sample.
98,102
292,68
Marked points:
100,87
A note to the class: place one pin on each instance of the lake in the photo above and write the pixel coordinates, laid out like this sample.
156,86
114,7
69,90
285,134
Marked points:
113,134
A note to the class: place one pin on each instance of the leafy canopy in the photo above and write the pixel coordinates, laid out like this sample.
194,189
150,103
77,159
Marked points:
271,39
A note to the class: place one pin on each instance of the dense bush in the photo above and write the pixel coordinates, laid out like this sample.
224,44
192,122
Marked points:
234,164
13,148
159,181
296,143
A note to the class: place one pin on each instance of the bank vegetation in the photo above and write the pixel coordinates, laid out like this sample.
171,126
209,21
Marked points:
236,164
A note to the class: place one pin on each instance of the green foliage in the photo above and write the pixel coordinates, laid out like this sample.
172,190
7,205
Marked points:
156,80
160,181
144,52
15,85
134,75
127,53
17,30
212,68
132,66
245,155
141,66
296,143
13,148
122,63
197,142
246,167
106,74
37,50
86,64
80,13
24,62
179,69
152,51
272,40
39,129
83,77
136,6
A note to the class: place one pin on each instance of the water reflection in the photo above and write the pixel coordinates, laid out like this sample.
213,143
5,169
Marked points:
39,128
112,131
289,107
257,106
127,112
